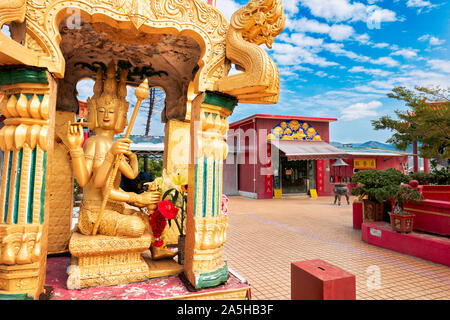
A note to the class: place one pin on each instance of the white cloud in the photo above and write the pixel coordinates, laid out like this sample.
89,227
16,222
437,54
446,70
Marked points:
418,3
434,41
337,48
376,72
336,32
321,74
5,31
287,54
85,89
422,5
407,53
227,7
380,45
443,65
291,72
301,40
388,61
343,10
290,7
377,15
363,38
360,110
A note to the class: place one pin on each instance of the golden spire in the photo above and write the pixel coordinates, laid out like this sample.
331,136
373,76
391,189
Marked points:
110,86
98,86
122,90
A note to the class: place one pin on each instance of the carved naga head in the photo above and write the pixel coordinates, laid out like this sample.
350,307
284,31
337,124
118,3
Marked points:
260,21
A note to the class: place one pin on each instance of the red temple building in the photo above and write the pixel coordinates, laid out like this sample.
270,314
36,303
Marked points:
274,156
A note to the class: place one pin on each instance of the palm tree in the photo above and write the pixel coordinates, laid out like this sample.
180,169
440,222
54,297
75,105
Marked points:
151,105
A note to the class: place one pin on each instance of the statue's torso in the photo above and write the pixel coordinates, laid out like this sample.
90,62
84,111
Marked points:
95,150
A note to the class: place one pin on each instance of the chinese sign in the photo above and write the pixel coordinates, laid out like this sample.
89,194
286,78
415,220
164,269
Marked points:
359,163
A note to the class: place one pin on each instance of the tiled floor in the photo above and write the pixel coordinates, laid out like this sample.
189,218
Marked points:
265,236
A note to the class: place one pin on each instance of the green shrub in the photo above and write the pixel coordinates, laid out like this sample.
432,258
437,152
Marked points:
421,177
440,176
378,185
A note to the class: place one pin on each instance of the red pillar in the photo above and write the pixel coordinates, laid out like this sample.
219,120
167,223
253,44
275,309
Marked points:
415,157
426,165
320,176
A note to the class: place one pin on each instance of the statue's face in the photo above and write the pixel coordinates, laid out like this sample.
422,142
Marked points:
106,117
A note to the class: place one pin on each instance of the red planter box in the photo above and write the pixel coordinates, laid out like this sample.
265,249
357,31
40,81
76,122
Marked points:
402,223
320,280
429,247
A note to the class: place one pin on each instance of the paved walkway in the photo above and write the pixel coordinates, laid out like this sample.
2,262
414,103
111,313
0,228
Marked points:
265,236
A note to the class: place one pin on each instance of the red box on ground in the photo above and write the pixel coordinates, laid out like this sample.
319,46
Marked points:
421,245
357,214
320,280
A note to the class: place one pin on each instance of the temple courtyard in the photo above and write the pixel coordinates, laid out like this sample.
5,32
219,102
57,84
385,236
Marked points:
265,236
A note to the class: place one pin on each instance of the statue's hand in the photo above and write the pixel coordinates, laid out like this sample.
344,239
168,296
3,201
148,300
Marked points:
131,156
121,146
75,135
147,199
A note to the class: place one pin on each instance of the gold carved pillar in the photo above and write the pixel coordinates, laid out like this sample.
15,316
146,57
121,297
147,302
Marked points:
27,143
60,187
206,226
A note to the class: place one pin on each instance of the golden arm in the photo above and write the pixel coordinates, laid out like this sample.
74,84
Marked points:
82,168
129,170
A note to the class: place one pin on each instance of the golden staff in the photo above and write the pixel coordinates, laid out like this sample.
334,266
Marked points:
142,93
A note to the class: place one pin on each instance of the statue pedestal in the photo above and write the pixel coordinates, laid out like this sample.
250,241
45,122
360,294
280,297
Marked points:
162,268
105,260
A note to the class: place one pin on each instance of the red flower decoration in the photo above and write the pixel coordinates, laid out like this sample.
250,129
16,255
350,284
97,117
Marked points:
168,210
157,222
158,243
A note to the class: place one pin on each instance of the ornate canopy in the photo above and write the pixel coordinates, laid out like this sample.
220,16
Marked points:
178,44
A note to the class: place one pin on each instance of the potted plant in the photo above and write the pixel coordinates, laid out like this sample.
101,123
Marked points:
374,187
402,221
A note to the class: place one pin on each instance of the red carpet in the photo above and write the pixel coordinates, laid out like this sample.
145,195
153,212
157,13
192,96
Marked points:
158,288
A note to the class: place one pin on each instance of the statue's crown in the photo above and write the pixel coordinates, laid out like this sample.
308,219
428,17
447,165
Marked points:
109,92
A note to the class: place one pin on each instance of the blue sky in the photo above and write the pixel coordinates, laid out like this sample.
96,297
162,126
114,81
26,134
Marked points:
339,59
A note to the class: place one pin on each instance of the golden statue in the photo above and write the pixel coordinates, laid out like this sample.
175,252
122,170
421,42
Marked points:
98,168
107,116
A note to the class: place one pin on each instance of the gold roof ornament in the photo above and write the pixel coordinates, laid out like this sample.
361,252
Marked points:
294,125
258,22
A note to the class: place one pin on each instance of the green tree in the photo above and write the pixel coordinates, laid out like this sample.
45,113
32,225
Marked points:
427,120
